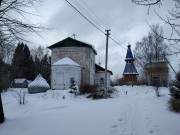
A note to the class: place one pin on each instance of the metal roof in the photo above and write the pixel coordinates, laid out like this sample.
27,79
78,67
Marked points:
130,69
70,42
129,55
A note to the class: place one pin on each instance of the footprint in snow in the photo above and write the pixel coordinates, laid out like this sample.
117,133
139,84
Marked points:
119,119
151,131
114,126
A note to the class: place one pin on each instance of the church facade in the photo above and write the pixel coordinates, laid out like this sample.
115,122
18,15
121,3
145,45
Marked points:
79,52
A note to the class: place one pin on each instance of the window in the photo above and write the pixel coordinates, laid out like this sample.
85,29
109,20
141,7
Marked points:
101,81
72,81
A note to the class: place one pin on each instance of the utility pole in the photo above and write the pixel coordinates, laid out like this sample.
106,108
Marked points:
106,61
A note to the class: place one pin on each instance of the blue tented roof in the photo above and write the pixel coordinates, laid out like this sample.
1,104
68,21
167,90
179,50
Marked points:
130,69
129,55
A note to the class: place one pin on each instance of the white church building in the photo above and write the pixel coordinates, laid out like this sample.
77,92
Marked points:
74,60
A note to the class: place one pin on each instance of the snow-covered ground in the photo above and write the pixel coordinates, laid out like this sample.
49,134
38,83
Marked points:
139,112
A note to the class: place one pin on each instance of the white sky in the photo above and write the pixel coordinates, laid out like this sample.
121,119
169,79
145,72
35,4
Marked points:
127,21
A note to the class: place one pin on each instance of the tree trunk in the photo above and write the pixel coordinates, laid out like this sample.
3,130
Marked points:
1,111
1,106
0,2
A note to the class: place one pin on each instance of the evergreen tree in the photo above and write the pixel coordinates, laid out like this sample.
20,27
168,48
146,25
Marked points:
4,75
46,68
22,63
175,90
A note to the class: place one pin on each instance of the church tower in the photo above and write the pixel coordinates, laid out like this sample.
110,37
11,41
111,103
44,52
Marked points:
130,73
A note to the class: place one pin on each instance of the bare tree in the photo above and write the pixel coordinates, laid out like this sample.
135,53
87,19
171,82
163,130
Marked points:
20,96
12,27
172,18
12,12
151,47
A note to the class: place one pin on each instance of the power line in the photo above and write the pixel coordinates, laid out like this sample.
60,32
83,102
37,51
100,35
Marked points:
84,17
92,12
88,13
117,42
91,21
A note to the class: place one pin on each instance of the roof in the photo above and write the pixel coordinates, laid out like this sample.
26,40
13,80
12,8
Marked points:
66,61
129,55
130,69
22,80
99,68
39,82
70,42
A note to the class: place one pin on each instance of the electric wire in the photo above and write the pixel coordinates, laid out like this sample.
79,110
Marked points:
86,18
89,14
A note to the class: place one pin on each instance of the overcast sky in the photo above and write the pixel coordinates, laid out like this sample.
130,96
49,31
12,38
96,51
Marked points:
127,21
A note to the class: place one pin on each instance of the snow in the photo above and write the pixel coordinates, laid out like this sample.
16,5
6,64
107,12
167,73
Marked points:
139,112
66,61
39,82
19,80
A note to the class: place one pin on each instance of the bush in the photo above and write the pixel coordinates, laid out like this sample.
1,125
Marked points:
88,89
174,105
96,92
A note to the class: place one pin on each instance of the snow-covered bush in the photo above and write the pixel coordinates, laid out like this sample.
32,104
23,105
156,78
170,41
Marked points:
103,93
97,92
174,92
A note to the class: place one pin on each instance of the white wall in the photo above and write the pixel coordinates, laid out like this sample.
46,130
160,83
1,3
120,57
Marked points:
61,75
101,74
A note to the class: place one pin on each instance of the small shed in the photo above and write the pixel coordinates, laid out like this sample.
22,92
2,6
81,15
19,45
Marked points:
39,85
20,83
64,72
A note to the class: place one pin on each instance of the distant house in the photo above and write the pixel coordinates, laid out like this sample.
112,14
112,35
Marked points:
157,73
100,75
20,83
130,73
81,54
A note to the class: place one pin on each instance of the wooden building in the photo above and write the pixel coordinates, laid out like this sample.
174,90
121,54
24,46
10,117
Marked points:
157,73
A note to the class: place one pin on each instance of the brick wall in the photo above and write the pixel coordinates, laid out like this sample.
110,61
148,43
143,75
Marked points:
81,55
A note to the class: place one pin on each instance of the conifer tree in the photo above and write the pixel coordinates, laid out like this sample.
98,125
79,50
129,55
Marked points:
22,63
175,90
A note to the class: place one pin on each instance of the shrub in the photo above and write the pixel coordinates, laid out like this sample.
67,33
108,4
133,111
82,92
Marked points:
88,89
174,105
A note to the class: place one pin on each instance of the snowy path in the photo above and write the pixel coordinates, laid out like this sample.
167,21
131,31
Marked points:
139,112
134,118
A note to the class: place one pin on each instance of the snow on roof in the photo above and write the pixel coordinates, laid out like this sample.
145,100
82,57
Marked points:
39,82
19,80
66,61
29,81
